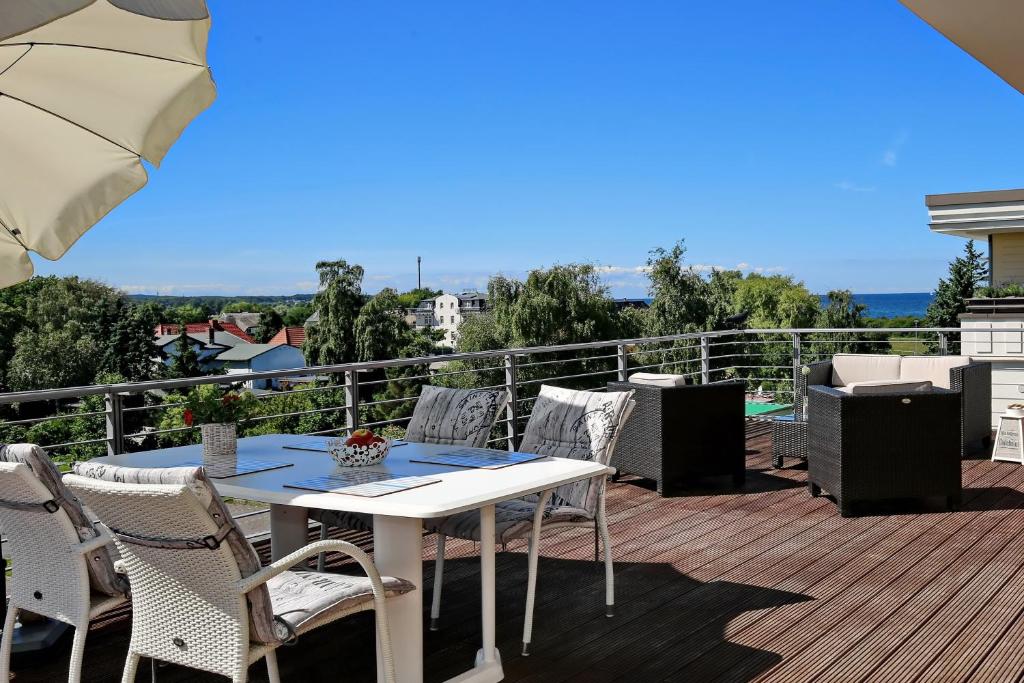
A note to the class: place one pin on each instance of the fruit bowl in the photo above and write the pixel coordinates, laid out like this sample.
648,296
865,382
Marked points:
359,450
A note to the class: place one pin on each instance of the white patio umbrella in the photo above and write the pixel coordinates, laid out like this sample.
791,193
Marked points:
88,88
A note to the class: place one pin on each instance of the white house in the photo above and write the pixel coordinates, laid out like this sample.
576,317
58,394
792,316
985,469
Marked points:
447,311
258,358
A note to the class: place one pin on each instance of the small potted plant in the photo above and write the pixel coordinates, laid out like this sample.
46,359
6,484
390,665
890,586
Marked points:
218,415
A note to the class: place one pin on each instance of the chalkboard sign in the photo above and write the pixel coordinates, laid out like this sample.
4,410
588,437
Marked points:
1009,445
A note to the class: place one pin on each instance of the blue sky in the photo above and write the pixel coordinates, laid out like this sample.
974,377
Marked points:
498,137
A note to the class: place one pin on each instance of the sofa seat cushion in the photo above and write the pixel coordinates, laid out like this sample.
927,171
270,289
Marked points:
935,369
848,368
885,386
657,379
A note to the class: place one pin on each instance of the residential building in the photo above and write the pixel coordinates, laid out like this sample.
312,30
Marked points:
259,358
215,331
247,322
447,311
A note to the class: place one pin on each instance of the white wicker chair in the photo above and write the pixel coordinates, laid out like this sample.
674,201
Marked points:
200,598
61,565
564,423
453,417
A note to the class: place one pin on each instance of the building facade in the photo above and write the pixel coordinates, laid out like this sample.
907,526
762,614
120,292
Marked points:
446,312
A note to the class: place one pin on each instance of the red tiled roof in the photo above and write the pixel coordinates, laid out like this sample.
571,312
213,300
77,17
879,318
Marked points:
202,328
292,336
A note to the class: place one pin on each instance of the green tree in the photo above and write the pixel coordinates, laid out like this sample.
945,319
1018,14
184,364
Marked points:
51,356
338,302
404,382
243,307
965,274
186,361
295,316
190,313
270,324
680,296
840,312
775,301
413,297
130,349
380,330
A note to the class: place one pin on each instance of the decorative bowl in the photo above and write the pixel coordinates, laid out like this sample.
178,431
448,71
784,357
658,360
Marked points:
358,456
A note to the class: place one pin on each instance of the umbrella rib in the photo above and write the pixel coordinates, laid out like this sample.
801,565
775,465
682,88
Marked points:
107,49
11,65
14,234
73,123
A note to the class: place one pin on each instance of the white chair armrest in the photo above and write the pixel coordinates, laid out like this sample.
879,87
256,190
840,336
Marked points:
287,562
92,544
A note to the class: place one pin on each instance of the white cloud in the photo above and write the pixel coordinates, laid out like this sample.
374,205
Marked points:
892,153
848,186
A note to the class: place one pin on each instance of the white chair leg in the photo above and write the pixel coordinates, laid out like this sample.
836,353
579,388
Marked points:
435,604
273,675
609,569
321,559
131,667
6,642
533,551
77,653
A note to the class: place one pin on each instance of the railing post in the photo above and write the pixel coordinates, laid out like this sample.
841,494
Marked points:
113,406
512,408
623,359
705,360
351,400
943,344
797,363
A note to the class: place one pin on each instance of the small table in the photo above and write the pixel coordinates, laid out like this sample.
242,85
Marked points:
789,438
397,520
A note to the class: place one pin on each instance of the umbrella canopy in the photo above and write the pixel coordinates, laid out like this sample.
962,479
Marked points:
88,88
989,30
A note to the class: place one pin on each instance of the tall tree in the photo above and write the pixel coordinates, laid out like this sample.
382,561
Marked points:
965,274
332,340
270,324
680,296
186,362
130,349
51,356
381,332
775,301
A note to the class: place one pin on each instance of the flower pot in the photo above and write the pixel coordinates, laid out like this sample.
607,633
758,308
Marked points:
219,439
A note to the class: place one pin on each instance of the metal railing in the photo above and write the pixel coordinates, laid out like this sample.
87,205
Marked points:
86,421
81,422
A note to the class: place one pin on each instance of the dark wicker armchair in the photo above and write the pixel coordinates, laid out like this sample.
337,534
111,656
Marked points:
973,381
678,434
864,448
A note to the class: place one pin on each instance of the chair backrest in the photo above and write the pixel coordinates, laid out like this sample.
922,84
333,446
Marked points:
583,425
184,553
462,417
36,535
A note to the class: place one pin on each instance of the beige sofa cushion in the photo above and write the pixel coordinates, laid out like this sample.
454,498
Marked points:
657,379
885,386
848,368
935,369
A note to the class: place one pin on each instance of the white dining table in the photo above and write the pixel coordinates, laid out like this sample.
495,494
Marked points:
397,520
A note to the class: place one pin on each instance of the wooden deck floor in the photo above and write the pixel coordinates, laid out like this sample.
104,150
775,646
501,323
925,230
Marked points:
764,584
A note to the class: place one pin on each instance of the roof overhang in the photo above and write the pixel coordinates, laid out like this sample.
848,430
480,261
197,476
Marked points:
989,30
976,215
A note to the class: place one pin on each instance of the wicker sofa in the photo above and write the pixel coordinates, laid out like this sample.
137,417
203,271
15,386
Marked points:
677,434
971,379
873,447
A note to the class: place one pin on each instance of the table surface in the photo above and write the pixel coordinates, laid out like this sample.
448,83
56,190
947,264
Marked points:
458,490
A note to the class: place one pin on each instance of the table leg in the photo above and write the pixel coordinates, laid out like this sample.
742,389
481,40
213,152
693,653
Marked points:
289,529
488,659
398,551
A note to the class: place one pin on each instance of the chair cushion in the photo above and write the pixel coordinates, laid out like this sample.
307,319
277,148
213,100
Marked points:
300,598
582,425
512,519
848,368
885,386
935,369
658,380
461,417
102,577
261,614
354,521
